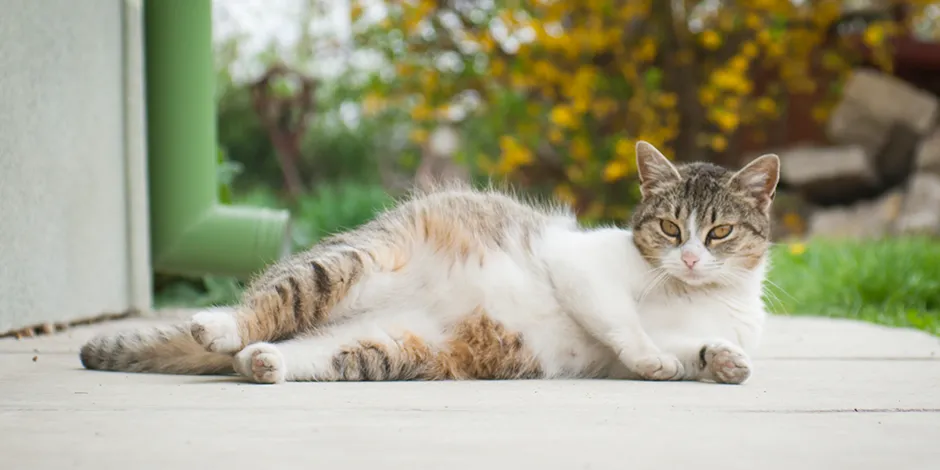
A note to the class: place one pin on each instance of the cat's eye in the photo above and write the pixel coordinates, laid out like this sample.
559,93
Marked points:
669,228
719,232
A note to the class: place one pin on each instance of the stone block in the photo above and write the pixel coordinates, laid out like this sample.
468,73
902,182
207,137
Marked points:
851,124
869,219
830,175
921,211
927,156
891,100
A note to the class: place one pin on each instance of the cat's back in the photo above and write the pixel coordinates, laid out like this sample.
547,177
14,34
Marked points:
488,211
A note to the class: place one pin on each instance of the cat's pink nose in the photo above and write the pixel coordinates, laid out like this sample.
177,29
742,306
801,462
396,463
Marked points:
689,259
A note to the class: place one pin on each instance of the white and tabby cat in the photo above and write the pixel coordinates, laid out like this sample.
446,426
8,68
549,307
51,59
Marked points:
466,284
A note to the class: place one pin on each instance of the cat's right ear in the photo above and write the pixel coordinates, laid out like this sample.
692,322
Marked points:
654,169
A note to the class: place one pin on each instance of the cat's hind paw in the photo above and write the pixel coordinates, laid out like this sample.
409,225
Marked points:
727,363
262,363
217,331
659,367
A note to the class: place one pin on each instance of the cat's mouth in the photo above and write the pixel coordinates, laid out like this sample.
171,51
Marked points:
693,277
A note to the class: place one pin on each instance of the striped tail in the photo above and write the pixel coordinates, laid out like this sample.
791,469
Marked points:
167,349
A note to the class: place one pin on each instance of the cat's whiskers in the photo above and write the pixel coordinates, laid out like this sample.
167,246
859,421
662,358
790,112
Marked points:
660,276
740,275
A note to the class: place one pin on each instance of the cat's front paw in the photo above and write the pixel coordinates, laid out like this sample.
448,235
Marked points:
262,363
659,367
217,331
726,363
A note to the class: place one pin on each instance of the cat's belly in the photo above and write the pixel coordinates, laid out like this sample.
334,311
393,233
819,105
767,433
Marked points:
433,297
522,300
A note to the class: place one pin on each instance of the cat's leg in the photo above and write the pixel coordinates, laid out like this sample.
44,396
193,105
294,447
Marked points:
375,357
714,360
298,294
416,348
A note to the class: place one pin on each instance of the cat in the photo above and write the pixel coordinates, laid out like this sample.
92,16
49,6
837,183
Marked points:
462,284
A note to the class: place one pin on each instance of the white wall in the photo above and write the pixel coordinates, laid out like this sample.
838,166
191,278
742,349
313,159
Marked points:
73,236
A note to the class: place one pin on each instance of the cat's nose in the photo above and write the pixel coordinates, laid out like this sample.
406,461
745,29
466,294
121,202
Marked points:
689,259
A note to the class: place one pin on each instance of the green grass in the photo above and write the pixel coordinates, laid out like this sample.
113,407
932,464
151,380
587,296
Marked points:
893,282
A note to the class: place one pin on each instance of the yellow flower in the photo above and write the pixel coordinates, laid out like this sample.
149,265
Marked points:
372,103
615,170
764,36
575,173
497,68
421,112
728,80
668,100
793,222
719,143
623,148
739,63
580,148
562,116
418,136
565,194
820,113
646,51
749,50
514,154
797,249
711,40
727,121
766,106
874,35
706,96
753,21
355,12
555,135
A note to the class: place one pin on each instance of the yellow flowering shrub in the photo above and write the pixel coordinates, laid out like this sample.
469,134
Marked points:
553,93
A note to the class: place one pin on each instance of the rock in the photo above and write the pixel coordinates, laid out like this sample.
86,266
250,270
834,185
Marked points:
921,212
851,124
890,100
830,175
862,220
927,156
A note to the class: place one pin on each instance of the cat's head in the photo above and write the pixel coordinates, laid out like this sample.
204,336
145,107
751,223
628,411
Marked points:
701,223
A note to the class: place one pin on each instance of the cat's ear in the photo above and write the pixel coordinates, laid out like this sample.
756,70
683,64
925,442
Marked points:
758,180
654,169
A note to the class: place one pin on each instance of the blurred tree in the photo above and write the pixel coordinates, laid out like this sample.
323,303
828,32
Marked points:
284,102
553,94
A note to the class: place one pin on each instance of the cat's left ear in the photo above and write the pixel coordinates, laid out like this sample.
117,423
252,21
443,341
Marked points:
759,179
654,169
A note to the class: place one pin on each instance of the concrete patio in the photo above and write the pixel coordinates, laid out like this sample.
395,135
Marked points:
826,394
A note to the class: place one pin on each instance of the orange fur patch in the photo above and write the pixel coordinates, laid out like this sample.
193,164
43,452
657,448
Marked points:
448,235
479,348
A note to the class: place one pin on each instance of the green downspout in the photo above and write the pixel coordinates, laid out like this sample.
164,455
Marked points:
192,232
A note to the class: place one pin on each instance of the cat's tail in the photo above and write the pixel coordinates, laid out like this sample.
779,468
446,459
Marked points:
165,349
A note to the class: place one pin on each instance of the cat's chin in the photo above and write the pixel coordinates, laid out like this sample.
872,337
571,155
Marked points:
695,279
